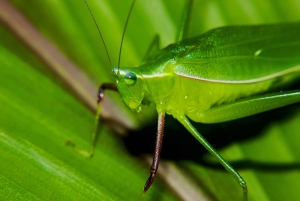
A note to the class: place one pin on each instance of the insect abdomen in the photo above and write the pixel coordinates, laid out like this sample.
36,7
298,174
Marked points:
192,97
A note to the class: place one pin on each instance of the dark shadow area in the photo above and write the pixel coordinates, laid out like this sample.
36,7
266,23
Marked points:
179,144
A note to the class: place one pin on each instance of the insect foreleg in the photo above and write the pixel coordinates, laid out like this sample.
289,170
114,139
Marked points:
103,87
90,153
157,151
250,106
187,124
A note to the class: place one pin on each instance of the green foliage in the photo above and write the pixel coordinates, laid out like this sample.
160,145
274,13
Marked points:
38,113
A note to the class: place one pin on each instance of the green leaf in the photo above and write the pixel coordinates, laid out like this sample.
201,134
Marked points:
39,112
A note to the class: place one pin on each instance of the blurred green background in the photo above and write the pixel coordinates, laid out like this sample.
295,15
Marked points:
39,112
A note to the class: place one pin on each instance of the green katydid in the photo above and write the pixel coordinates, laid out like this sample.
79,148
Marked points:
212,78
222,75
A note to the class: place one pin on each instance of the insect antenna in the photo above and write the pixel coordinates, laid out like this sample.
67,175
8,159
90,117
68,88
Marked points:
126,23
103,42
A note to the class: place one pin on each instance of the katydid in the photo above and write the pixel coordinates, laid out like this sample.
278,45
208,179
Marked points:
224,74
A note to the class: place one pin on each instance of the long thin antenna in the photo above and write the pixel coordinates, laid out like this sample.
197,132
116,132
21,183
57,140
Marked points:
98,32
124,33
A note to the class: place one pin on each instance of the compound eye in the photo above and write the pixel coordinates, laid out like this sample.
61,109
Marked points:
130,78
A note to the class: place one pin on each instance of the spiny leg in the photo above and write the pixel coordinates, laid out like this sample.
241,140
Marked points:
185,21
238,109
90,153
187,124
157,151
250,106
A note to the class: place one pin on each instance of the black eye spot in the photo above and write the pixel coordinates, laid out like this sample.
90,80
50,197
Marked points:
130,78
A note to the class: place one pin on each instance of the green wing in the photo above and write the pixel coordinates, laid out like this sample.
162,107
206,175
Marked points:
240,54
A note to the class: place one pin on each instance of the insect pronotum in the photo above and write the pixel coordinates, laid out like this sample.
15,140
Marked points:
224,74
